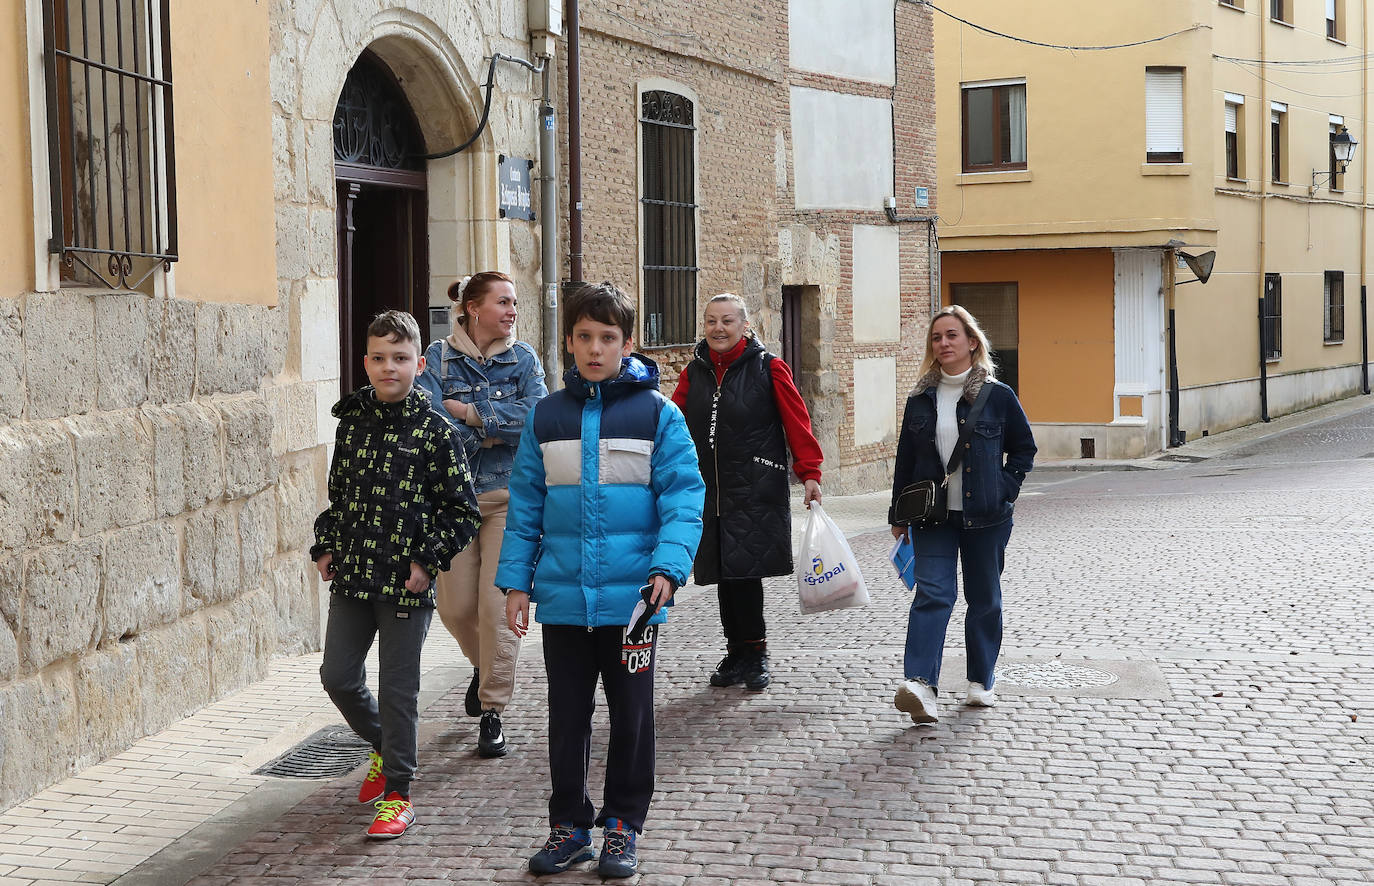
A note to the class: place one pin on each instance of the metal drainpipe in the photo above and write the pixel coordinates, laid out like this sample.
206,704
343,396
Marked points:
1364,202
574,143
548,227
1265,139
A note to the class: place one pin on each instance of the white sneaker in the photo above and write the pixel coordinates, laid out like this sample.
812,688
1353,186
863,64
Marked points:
980,697
918,700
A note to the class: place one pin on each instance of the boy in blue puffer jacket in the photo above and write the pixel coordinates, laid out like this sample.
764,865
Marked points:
605,502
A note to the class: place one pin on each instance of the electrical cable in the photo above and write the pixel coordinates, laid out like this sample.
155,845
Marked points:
987,30
490,86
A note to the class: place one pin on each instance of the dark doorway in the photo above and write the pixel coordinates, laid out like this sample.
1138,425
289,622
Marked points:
791,326
801,339
382,210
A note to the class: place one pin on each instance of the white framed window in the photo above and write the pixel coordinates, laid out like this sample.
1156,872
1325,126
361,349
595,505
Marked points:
1163,115
1233,124
1335,123
1335,20
993,117
1278,143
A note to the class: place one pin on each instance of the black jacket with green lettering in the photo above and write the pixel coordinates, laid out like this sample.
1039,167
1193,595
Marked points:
399,490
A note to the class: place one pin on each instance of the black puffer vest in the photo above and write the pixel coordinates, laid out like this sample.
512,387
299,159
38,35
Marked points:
742,450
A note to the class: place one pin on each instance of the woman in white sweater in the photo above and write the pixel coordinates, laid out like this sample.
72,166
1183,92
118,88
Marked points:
993,460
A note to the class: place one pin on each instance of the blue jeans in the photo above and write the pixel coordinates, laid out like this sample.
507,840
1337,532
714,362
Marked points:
937,551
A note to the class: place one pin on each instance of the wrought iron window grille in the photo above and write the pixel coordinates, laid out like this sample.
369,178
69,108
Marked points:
373,125
111,160
669,210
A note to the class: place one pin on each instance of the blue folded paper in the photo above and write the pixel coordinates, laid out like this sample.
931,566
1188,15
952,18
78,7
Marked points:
903,558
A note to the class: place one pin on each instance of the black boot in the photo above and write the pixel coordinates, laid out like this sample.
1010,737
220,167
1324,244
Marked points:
472,705
728,672
754,672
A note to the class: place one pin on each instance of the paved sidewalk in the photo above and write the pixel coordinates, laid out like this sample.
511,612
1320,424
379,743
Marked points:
1187,696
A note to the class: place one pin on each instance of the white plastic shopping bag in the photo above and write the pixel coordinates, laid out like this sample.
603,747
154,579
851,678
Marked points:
828,576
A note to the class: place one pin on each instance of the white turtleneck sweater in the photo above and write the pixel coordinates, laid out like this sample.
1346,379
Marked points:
947,395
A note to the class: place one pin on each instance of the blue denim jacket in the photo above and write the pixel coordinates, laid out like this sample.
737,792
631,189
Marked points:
1001,451
504,389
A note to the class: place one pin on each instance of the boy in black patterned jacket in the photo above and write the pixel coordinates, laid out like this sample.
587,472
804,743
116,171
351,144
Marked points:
401,506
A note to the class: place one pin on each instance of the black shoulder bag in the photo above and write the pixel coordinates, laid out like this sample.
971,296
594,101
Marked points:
925,503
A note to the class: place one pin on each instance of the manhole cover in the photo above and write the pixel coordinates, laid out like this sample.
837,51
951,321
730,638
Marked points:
1054,675
331,752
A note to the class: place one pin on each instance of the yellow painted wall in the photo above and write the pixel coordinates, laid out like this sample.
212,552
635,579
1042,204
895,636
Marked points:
226,215
16,183
1304,234
1067,360
1085,126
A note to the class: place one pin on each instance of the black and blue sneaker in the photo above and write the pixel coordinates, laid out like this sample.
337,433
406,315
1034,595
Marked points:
565,847
618,856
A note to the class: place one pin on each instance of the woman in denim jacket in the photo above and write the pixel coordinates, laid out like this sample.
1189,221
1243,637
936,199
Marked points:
980,493
485,383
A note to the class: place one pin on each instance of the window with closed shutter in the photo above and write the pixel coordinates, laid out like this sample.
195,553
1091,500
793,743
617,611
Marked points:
1164,115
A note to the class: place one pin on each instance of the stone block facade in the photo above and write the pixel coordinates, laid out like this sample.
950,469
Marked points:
148,505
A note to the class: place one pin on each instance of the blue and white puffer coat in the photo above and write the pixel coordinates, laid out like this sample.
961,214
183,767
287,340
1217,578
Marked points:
605,492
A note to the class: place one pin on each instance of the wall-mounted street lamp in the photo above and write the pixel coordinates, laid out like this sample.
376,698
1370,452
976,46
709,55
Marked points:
1343,150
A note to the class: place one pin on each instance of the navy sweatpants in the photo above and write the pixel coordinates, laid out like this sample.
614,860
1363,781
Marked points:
575,658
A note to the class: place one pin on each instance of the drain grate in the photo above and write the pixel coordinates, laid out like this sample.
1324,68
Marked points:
329,753
1054,675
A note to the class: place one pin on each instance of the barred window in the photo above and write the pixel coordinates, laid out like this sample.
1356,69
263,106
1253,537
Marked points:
110,155
1271,317
1333,307
670,218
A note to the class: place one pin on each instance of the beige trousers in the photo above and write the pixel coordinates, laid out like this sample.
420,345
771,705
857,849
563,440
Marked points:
474,611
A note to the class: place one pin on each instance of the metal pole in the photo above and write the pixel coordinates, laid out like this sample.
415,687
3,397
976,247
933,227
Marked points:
1263,367
548,222
574,143
1175,437
1364,340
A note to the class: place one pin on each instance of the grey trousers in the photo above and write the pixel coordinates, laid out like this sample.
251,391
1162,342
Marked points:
389,722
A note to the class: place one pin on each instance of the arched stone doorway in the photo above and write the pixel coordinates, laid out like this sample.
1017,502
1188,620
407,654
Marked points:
382,210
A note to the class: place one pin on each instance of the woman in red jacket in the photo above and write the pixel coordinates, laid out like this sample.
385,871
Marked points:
746,416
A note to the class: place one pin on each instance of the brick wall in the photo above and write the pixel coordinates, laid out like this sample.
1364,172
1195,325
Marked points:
734,58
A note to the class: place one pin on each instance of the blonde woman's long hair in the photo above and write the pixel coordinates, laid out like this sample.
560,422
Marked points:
982,356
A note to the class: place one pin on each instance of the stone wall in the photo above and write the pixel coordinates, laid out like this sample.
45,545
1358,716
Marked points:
157,488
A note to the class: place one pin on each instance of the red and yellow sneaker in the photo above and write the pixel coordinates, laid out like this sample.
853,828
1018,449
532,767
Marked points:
394,815
374,785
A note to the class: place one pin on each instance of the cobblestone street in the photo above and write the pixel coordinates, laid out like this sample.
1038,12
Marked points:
1185,698
1229,599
